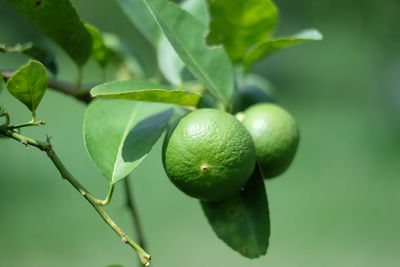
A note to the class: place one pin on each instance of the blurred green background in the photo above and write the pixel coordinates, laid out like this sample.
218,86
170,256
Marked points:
338,205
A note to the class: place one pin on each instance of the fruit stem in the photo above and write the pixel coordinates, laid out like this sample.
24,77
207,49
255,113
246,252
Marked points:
65,174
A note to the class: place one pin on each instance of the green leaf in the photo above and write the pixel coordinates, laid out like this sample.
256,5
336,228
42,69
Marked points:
269,47
60,22
242,221
100,51
119,134
141,17
239,24
186,35
145,91
121,56
169,62
34,52
28,84
198,8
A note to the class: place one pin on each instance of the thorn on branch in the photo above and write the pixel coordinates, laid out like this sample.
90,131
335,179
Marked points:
48,139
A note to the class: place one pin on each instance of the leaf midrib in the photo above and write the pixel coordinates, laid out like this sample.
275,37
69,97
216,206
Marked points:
158,19
131,119
252,231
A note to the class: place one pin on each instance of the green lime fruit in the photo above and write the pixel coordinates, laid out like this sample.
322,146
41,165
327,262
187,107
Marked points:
275,135
209,154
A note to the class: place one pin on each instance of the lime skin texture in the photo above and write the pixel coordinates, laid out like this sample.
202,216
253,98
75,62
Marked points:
275,135
208,154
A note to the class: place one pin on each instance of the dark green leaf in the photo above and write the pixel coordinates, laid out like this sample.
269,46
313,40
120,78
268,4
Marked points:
60,22
119,134
28,84
252,89
114,265
269,47
145,91
168,61
99,49
141,17
121,57
186,35
239,24
242,221
34,52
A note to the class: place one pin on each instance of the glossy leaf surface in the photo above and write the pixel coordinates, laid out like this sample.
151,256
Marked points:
239,24
242,221
269,47
141,17
60,22
28,84
211,66
145,91
168,61
119,134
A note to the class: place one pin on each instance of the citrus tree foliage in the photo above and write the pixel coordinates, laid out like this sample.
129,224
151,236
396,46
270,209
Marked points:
204,59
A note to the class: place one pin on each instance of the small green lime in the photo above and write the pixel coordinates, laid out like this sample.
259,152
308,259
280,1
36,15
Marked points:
275,135
209,154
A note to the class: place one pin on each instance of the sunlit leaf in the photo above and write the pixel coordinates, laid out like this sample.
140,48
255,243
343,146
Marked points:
141,17
269,47
242,221
119,134
145,91
35,52
28,84
186,34
239,24
100,51
60,22
169,62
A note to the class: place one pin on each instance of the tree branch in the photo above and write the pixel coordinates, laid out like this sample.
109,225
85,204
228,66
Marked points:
130,203
47,147
83,95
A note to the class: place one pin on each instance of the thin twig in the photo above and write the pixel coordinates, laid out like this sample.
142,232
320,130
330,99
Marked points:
28,124
83,95
130,203
47,147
